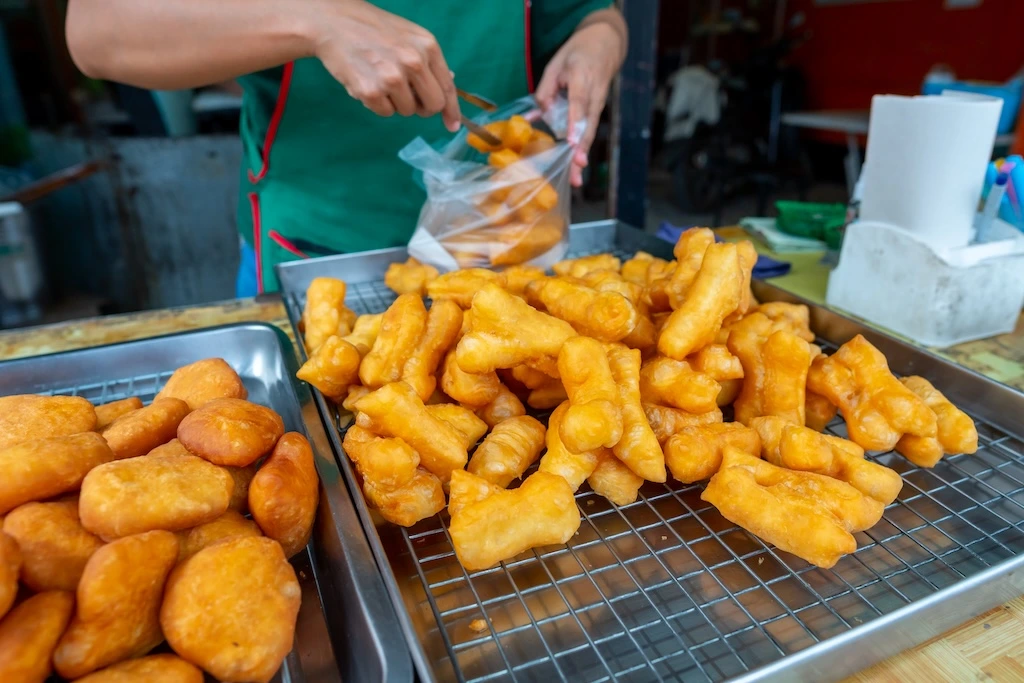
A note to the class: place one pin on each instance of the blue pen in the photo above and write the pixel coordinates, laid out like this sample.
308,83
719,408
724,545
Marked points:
992,203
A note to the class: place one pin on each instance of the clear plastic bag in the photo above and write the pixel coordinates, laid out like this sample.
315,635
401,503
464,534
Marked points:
495,208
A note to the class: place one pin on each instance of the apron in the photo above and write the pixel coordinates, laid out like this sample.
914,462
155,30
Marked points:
325,177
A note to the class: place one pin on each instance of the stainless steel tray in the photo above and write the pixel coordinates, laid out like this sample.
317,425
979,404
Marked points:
666,589
346,628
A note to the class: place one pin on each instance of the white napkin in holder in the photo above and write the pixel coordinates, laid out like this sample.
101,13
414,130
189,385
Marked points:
936,297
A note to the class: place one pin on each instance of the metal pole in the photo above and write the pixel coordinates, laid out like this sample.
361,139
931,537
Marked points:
631,118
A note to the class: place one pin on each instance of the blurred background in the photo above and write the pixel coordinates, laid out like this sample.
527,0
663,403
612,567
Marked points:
724,108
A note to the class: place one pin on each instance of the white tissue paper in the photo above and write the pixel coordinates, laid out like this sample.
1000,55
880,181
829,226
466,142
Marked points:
925,163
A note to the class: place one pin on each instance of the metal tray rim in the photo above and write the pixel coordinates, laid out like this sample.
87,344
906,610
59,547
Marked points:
874,640
317,433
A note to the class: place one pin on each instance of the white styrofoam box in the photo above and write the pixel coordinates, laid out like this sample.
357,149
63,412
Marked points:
935,297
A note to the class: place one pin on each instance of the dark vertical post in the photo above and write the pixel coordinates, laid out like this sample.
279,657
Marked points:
631,121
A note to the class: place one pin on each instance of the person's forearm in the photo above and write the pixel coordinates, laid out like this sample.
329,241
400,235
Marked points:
613,18
176,44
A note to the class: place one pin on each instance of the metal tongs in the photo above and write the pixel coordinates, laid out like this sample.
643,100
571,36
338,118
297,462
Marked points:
475,128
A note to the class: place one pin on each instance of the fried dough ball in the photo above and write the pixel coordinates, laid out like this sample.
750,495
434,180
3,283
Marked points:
203,381
284,493
231,432
118,604
28,417
231,608
54,545
29,634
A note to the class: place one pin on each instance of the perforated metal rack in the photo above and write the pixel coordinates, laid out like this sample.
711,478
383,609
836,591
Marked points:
345,628
667,589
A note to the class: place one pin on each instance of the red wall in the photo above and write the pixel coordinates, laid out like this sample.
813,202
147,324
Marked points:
906,38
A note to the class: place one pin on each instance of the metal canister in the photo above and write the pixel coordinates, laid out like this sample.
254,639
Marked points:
21,273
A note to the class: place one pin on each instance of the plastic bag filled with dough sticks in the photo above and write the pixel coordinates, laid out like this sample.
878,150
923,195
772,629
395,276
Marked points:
495,205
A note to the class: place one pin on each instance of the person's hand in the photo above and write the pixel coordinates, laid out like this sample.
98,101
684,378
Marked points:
389,64
585,66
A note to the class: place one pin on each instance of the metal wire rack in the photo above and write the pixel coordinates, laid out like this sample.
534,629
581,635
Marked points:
666,589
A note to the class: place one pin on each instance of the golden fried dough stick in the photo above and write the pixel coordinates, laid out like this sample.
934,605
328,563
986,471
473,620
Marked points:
635,269
150,492
540,512
444,323
548,395
29,635
495,128
505,405
689,252
462,285
695,453
323,316
775,366
579,267
393,483
956,431
332,368
666,421
29,417
730,390
468,490
713,296
229,525
518,277
535,235
615,481
10,568
203,381
284,493
140,431
108,412
118,604
505,331
794,317
605,316
464,420
717,362
42,469
802,448
594,418
389,463
878,409
401,413
231,608
638,448
400,331
748,259
511,447
355,392
573,467
807,514
819,411
152,669
674,383
467,388
364,332
406,505
54,545
230,432
411,277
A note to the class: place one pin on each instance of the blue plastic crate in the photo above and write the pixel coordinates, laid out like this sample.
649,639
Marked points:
1009,92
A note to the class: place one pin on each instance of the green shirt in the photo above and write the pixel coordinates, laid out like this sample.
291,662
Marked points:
321,173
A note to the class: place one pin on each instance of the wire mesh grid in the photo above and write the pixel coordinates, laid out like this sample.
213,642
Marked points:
665,588
145,387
